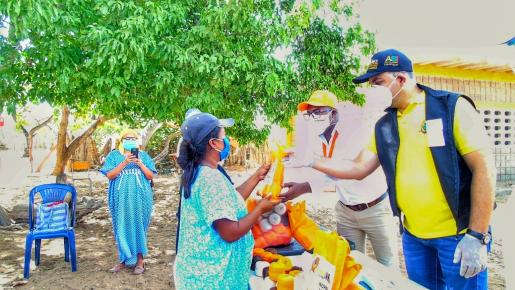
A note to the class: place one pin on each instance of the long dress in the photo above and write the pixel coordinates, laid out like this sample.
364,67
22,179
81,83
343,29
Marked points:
204,260
130,199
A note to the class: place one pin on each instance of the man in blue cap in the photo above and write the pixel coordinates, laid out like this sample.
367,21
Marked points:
435,153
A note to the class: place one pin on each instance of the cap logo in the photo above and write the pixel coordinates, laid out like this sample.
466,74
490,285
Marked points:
392,60
373,65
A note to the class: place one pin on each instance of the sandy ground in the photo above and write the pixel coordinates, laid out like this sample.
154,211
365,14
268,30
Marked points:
97,252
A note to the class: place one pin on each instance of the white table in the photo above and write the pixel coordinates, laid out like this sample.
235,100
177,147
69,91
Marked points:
381,277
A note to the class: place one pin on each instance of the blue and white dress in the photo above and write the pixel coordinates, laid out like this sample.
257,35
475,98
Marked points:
130,201
204,260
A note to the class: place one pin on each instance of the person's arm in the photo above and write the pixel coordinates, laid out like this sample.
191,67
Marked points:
116,171
147,172
473,145
246,188
471,251
362,166
481,165
232,231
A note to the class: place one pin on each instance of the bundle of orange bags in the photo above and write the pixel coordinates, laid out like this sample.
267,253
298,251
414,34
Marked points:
275,234
331,246
278,235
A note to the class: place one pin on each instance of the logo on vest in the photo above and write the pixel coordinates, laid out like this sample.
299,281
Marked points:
392,60
423,128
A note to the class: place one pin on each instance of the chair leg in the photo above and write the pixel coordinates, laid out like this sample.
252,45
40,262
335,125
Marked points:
73,252
66,250
28,254
37,251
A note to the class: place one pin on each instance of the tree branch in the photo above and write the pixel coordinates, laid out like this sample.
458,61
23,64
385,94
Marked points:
41,125
77,141
149,132
166,149
15,119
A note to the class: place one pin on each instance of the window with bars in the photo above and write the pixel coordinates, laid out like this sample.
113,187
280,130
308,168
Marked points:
499,125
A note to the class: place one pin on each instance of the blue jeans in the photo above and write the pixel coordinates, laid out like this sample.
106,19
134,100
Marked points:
429,263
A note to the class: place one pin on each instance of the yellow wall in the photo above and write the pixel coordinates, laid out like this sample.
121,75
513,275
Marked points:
495,105
469,74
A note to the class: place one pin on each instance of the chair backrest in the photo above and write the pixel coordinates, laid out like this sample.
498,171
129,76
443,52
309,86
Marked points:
51,193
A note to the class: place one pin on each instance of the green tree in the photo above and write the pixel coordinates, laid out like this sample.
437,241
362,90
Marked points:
141,60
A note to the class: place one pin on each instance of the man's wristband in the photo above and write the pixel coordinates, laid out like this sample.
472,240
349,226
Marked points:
483,238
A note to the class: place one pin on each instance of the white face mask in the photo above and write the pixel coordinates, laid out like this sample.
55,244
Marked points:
390,86
377,97
381,95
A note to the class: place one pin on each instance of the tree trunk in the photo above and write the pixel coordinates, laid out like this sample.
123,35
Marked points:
106,149
61,142
65,152
27,142
28,150
149,132
29,138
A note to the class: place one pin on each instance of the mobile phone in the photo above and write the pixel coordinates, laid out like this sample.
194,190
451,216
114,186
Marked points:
135,151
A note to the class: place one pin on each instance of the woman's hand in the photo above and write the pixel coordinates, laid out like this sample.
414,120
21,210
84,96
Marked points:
148,174
262,171
130,159
119,168
246,188
266,204
139,163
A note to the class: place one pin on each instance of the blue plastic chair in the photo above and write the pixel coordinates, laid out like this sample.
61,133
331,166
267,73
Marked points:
51,193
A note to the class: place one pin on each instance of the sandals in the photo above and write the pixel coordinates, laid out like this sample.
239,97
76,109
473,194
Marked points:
117,268
138,270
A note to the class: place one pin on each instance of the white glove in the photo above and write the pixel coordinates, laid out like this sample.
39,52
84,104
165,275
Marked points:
473,256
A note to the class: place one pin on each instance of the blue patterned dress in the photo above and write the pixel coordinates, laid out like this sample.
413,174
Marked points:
204,260
130,204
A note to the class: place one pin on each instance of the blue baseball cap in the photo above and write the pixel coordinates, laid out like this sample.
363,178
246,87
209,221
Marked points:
191,112
390,60
197,127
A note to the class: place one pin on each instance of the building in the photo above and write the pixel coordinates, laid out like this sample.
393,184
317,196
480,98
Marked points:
492,87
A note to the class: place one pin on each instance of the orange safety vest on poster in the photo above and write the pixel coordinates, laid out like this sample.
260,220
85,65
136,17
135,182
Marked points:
332,143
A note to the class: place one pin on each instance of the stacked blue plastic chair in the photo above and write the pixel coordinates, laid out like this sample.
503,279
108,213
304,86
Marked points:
51,193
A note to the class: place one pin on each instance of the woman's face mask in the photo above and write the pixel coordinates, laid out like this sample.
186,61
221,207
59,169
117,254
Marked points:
129,144
224,153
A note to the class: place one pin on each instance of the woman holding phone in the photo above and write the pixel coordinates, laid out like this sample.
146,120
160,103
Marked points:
130,200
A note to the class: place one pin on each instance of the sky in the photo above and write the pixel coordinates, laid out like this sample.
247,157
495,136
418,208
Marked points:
440,28
459,28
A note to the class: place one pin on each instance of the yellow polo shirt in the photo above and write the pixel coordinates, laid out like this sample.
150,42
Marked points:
419,193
